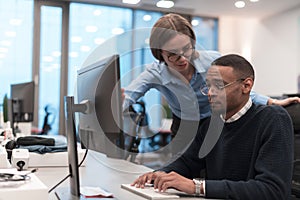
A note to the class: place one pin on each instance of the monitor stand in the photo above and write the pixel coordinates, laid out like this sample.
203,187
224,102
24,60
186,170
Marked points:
73,191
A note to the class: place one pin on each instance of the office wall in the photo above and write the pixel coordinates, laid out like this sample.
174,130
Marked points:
271,44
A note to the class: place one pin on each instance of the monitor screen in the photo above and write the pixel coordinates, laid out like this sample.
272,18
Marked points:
22,97
101,128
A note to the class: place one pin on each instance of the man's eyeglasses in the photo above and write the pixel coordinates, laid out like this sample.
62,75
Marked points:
205,88
186,52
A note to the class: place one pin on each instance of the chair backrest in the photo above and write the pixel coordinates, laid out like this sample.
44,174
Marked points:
294,111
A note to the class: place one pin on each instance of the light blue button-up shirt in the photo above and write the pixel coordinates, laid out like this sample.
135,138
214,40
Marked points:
185,100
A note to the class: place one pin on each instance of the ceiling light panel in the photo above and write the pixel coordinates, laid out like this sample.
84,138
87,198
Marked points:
165,4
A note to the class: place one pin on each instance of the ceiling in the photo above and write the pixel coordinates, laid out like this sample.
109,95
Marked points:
217,8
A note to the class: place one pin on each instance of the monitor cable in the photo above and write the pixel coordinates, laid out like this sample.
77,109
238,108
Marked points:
60,182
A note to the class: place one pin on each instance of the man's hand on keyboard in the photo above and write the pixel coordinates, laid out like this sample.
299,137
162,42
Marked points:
174,180
146,179
162,181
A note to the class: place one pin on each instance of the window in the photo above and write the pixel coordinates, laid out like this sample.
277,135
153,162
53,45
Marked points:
91,30
50,66
87,32
206,30
15,43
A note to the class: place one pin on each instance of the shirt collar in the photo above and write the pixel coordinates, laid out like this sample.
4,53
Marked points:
199,65
240,113
168,77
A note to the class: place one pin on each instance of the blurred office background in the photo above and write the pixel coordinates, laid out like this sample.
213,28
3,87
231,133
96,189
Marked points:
47,41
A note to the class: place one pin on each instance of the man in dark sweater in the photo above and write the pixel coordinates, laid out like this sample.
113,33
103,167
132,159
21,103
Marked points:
245,150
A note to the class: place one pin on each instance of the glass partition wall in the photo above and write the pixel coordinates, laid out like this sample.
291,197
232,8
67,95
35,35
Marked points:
48,41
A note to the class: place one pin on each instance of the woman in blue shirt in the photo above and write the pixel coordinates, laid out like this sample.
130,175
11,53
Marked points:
179,73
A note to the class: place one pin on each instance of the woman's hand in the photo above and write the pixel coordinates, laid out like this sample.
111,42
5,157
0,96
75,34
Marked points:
122,94
284,102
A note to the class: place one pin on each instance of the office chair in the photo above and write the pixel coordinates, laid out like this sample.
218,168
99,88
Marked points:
294,112
47,123
139,118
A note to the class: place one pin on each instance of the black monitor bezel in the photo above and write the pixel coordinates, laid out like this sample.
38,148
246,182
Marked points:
22,97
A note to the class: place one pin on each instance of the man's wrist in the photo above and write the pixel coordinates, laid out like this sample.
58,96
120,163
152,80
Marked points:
199,187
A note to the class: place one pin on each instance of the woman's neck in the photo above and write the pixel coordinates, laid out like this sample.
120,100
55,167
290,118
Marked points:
188,74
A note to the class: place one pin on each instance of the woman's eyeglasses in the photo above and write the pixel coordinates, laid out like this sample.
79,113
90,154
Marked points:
186,52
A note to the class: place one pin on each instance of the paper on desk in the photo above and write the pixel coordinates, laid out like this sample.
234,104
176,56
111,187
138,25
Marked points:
94,192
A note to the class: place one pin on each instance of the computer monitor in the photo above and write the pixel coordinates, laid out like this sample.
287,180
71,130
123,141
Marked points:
101,129
21,103
100,117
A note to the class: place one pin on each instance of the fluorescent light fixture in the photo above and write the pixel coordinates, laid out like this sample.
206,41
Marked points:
15,22
147,18
147,41
117,31
73,54
85,48
254,0
97,12
10,33
56,54
165,4
76,39
47,69
195,22
5,43
240,4
131,1
55,66
3,50
99,40
91,29
47,59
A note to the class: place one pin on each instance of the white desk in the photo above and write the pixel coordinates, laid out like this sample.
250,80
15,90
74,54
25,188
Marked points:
100,171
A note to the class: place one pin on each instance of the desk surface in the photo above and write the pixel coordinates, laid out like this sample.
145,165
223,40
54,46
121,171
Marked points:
100,171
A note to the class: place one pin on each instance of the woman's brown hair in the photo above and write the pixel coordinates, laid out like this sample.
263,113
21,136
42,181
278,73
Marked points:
167,27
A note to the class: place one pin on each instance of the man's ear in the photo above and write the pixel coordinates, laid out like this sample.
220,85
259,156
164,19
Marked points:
247,85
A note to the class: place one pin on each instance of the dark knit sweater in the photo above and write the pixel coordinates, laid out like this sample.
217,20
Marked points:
252,158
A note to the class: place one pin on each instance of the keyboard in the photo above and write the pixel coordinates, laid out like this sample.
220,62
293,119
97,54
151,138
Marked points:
150,193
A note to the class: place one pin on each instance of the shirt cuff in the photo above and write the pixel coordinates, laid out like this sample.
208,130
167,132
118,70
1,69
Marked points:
203,184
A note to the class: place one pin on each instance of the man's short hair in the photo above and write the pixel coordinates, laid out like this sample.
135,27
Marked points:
240,65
